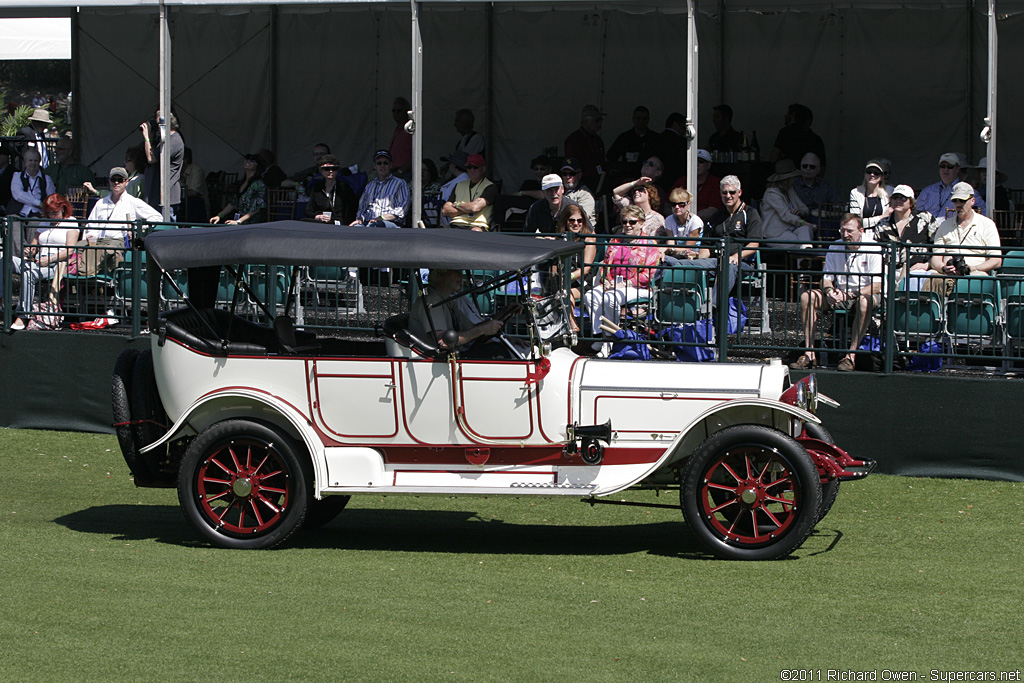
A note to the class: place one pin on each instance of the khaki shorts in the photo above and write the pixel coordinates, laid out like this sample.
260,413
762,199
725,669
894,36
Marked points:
100,261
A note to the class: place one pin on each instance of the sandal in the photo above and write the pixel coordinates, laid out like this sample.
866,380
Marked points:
846,365
802,363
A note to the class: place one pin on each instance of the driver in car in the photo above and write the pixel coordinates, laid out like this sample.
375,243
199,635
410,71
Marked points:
459,314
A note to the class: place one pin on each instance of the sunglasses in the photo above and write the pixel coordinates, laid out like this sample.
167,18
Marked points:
573,221
630,221
959,201
567,172
897,199
117,180
382,162
872,171
472,167
809,167
325,169
639,189
946,167
674,204
729,193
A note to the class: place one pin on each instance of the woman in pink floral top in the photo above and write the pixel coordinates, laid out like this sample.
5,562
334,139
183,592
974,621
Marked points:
624,279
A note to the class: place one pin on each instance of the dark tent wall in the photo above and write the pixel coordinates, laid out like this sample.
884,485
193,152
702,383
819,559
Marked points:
906,81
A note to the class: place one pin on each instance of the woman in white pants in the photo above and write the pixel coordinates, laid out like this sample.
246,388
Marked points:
624,276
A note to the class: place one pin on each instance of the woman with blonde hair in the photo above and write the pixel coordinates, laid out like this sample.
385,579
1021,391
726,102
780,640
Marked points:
683,224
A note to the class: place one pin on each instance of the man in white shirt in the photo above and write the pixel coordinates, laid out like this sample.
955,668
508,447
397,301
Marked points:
970,234
852,281
116,206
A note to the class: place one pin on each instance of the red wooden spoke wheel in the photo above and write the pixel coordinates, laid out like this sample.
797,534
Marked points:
751,492
244,484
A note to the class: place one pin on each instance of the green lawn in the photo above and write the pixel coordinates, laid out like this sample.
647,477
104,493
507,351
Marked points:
103,581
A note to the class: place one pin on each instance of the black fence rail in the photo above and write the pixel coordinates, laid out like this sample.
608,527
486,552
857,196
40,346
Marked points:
672,308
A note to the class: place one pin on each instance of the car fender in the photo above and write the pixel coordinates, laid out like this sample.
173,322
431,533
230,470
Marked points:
739,411
249,404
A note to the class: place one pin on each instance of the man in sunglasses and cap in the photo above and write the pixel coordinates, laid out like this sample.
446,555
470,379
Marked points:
102,232
385,200
471,203
937,198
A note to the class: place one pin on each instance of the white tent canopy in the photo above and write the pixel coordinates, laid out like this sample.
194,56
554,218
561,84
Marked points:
902,80
35,38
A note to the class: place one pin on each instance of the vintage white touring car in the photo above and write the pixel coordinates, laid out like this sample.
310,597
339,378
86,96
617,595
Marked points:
265,429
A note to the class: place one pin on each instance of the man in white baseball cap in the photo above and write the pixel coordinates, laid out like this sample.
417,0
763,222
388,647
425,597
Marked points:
969,234
937,199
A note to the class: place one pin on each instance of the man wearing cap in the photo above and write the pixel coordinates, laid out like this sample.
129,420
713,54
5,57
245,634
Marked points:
116,206
937,198
66,172
575,191
34,134
470,204
586,146
968,233
457,160
542,215
385,200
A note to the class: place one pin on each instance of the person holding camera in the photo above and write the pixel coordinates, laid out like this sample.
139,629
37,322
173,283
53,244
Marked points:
968,243
852,281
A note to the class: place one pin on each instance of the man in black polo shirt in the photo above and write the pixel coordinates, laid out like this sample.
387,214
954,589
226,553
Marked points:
543,212
740,222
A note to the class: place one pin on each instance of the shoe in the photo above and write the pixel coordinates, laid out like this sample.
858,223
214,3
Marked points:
18,324
846,365
802,363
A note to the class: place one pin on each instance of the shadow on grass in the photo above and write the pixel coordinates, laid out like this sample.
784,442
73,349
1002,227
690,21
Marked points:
429,531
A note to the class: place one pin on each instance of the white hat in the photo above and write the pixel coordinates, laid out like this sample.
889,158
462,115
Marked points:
950,158
962,191
904,191
550,180
41,115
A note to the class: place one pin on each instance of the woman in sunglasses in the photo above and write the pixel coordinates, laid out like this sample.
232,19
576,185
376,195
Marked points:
870,201
642,192
627,274
250,203
573,224
331,200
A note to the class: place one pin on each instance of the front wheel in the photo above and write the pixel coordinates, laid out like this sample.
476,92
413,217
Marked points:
750,492
244,484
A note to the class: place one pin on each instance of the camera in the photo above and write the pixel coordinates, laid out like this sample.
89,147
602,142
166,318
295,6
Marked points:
959,265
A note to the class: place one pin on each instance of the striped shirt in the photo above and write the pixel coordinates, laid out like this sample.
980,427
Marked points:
388,196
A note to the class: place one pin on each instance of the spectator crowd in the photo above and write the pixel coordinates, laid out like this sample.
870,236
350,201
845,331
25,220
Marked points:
634,191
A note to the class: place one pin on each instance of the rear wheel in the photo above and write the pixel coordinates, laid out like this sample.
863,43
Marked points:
324,510
149,422
245,484
750,492
120,400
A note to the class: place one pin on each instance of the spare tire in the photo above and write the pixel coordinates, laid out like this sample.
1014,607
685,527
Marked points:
120,400
149,424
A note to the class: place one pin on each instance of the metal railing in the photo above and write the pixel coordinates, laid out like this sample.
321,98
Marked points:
969,321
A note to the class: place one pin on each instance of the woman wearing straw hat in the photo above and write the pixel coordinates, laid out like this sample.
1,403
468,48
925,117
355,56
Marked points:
782,211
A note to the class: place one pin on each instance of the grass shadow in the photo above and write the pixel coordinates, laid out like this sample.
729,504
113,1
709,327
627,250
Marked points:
433,531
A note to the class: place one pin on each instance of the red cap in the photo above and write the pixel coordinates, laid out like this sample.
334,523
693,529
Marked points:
475,160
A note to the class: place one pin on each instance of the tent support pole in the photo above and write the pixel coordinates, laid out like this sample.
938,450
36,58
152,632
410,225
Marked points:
691,101
990,121
417,120
164,120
